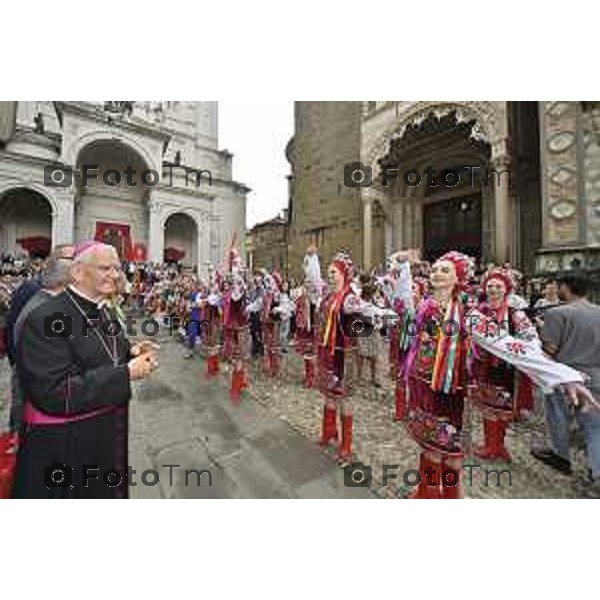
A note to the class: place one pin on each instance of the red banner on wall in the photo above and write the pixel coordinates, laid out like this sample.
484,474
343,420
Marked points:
36,245
116,235
173,254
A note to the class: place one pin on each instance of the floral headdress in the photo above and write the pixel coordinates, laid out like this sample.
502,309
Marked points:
344,264
503,275
463,265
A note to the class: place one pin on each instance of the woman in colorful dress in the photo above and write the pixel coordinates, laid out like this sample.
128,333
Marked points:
271,323
369,343
501,391
235,324
212,318
436,371
343,314
400,333
307,306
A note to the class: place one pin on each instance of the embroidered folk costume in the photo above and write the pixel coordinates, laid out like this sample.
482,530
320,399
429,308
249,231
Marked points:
307,312
212,318
341,311
500,390
401,331
271,323
436,371
235,324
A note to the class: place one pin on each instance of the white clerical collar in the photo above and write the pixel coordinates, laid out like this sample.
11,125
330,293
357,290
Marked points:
98,303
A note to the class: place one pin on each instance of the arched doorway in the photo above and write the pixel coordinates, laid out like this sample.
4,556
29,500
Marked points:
181,240
112,200
25,223
437,197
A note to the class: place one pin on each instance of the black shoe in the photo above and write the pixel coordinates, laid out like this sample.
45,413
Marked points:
550,458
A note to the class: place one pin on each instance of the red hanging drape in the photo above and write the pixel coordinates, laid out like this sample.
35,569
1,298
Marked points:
116,235
174,254
36,245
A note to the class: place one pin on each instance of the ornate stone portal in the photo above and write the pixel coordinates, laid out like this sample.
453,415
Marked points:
462,142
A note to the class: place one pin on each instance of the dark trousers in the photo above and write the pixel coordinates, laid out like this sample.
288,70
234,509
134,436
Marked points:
256,335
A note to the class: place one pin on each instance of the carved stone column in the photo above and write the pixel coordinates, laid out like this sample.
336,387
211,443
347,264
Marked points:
397,225
204,250
367,232
63,217
501,180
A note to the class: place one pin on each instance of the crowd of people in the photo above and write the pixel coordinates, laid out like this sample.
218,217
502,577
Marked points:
454,338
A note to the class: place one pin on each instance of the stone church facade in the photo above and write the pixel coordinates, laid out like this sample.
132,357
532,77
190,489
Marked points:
59,166
527,191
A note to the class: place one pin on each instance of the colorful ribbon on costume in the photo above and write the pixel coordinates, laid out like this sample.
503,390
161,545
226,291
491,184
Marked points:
330,336
448,356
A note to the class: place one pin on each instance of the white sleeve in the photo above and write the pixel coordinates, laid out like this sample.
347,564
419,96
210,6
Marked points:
255,306
376,315
526,356
403,288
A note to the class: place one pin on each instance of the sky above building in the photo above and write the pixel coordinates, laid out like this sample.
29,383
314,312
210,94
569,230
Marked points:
256,133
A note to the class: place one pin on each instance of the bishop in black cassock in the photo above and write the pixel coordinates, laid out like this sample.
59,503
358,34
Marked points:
74,368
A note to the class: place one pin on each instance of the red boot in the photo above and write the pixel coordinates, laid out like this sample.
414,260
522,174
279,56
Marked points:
237,380
212,365
345,453
275,363
329,431
400,400
9,443
267,363
483,450
452,481
429,472
228,345
243,379
309,372
493,447
525,400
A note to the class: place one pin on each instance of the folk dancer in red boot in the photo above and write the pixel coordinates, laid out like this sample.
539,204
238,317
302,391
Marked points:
498,385
436,371
271,322
235,324
402,331
369,343
307,312
341,311
212,317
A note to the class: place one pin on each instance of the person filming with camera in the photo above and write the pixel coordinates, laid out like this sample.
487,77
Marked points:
75,366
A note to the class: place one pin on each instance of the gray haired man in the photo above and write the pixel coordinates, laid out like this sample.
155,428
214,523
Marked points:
54,279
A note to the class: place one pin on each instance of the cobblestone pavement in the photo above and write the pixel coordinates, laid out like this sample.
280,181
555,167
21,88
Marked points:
267,447
379,440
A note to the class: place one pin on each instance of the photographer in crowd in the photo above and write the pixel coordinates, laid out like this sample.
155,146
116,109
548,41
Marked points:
571,334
